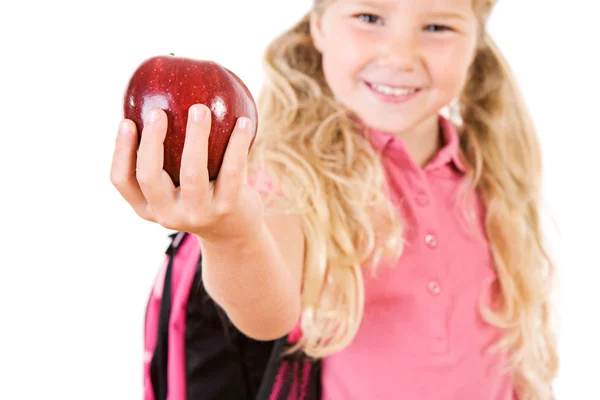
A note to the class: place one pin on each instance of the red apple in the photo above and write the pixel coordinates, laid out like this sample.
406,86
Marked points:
176,83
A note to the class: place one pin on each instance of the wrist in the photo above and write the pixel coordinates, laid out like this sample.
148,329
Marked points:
229,242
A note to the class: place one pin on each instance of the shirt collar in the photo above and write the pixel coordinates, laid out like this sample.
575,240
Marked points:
449,153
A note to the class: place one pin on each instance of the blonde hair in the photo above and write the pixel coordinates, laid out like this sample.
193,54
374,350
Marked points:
333,177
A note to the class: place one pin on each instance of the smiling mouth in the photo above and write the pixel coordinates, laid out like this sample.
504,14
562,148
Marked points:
392,90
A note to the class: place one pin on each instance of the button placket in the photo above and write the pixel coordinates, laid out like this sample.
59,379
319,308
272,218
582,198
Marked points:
433,286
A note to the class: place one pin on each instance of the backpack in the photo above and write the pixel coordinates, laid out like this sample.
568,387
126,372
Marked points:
193,351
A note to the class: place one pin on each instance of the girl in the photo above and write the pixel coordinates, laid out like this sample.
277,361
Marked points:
391,213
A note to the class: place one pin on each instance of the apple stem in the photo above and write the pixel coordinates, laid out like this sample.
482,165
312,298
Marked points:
171,54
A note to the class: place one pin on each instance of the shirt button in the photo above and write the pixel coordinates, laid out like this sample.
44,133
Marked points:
431,240
434,287
422,198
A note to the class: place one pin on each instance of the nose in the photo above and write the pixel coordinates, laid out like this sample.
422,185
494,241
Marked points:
400,50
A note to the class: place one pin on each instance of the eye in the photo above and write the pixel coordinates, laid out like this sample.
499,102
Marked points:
437,28
369,18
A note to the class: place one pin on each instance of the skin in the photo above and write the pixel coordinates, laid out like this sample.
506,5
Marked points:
423,44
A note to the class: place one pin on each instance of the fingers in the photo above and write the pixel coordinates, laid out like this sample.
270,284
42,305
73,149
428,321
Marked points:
193,176
122,172
233,170
156,185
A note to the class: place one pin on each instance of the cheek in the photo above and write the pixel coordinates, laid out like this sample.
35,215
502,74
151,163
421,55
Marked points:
449,66
346,57
342,66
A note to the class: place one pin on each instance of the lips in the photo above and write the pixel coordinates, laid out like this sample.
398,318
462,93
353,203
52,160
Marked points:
389,94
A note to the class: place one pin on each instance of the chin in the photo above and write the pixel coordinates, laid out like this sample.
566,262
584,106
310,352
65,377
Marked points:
395,125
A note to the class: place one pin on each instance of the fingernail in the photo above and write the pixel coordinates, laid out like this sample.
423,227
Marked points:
242,122
153,116
197,113
123,128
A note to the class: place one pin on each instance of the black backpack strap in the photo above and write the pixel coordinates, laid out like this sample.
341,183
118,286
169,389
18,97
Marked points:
158,366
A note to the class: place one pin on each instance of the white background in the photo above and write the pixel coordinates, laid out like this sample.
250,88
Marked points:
77,263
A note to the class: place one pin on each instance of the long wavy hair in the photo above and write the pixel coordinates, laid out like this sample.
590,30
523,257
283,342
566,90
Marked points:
332,176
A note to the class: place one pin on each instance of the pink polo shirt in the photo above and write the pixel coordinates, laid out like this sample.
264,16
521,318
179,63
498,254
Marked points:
422,337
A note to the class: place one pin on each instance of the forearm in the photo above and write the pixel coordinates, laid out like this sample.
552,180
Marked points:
250,280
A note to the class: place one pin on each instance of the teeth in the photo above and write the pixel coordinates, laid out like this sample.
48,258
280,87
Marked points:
392,90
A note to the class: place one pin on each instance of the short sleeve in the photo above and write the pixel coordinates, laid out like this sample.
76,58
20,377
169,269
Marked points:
263,182
274,198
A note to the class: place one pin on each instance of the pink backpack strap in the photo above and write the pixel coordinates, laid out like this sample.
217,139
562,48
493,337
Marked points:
179,267
293,376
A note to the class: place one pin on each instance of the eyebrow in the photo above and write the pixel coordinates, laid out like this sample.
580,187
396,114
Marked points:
448,15
386,5
375,4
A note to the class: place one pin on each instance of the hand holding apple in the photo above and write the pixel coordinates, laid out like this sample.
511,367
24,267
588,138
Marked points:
221,208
